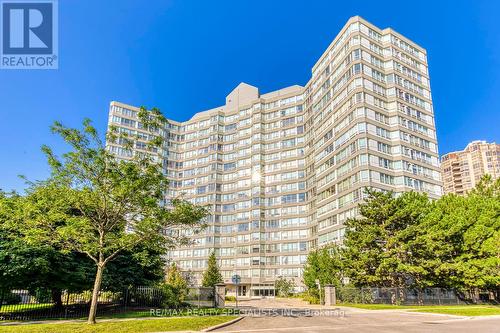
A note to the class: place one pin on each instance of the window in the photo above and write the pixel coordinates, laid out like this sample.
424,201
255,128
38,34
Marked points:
386,179
288,121
230,127
356,54
356,69
383,133
229,166
385,163
383,147
289,198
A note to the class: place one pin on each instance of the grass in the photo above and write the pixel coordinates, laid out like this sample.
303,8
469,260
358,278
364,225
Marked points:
458,310
144,313
24,307
378,306
470,310
123,326
168,313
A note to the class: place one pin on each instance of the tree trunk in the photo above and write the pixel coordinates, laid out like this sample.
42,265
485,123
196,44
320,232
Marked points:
95,293
57,298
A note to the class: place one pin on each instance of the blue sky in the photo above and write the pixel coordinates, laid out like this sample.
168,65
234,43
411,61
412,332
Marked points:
186,56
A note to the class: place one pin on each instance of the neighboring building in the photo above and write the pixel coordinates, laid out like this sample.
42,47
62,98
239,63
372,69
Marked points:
462,170
282,171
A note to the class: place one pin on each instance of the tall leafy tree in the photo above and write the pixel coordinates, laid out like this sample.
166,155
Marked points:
481,251
174,277
404,260
212,274
380,246
325,265
366,238
463,233
13,263
35,266
103,206
408,240
175,287
140,266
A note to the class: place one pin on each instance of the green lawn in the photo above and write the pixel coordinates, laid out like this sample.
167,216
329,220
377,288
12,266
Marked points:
24,307
377,306
169,313
123,326
458,310
470,310
188,312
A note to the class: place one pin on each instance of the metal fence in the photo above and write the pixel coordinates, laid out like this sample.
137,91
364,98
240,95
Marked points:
23,305
201,297
406,296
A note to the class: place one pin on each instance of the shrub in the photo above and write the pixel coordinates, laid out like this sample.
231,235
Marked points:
230,298
173,297
43,295
10,298
110,296
311,296
311,299
174,288
354,295
284,287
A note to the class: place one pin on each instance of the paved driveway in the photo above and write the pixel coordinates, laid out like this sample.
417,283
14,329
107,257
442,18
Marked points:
352,320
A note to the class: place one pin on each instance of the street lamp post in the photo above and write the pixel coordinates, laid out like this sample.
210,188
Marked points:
236,279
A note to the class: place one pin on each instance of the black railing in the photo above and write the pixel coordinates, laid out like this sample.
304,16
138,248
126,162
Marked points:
22,305
408,296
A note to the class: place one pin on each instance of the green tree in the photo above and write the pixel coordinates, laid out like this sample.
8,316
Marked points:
365,238
379,246
410,241
463,233
481,250
175,287
140,266
38,267
212,274
284,287
405,259
103,206
325,265
45,267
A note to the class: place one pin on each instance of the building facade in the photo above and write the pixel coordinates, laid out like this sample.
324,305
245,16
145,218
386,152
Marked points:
282,171
462,170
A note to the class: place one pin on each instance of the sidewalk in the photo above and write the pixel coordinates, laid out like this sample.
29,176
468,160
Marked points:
119,325
79,321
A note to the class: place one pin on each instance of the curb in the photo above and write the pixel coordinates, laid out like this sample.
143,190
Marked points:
227,323
421,312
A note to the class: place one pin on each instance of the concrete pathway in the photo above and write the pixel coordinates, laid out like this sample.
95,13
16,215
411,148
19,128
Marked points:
350,320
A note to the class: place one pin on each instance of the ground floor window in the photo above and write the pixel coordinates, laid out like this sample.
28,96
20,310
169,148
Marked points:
263,292
242,290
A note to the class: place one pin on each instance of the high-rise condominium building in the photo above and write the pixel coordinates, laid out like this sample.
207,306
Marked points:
462,170
282,171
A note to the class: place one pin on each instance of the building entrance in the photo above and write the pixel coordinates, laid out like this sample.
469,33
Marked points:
242,290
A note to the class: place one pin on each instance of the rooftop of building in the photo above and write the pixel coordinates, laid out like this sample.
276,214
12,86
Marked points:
468,148
241,96
245,94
